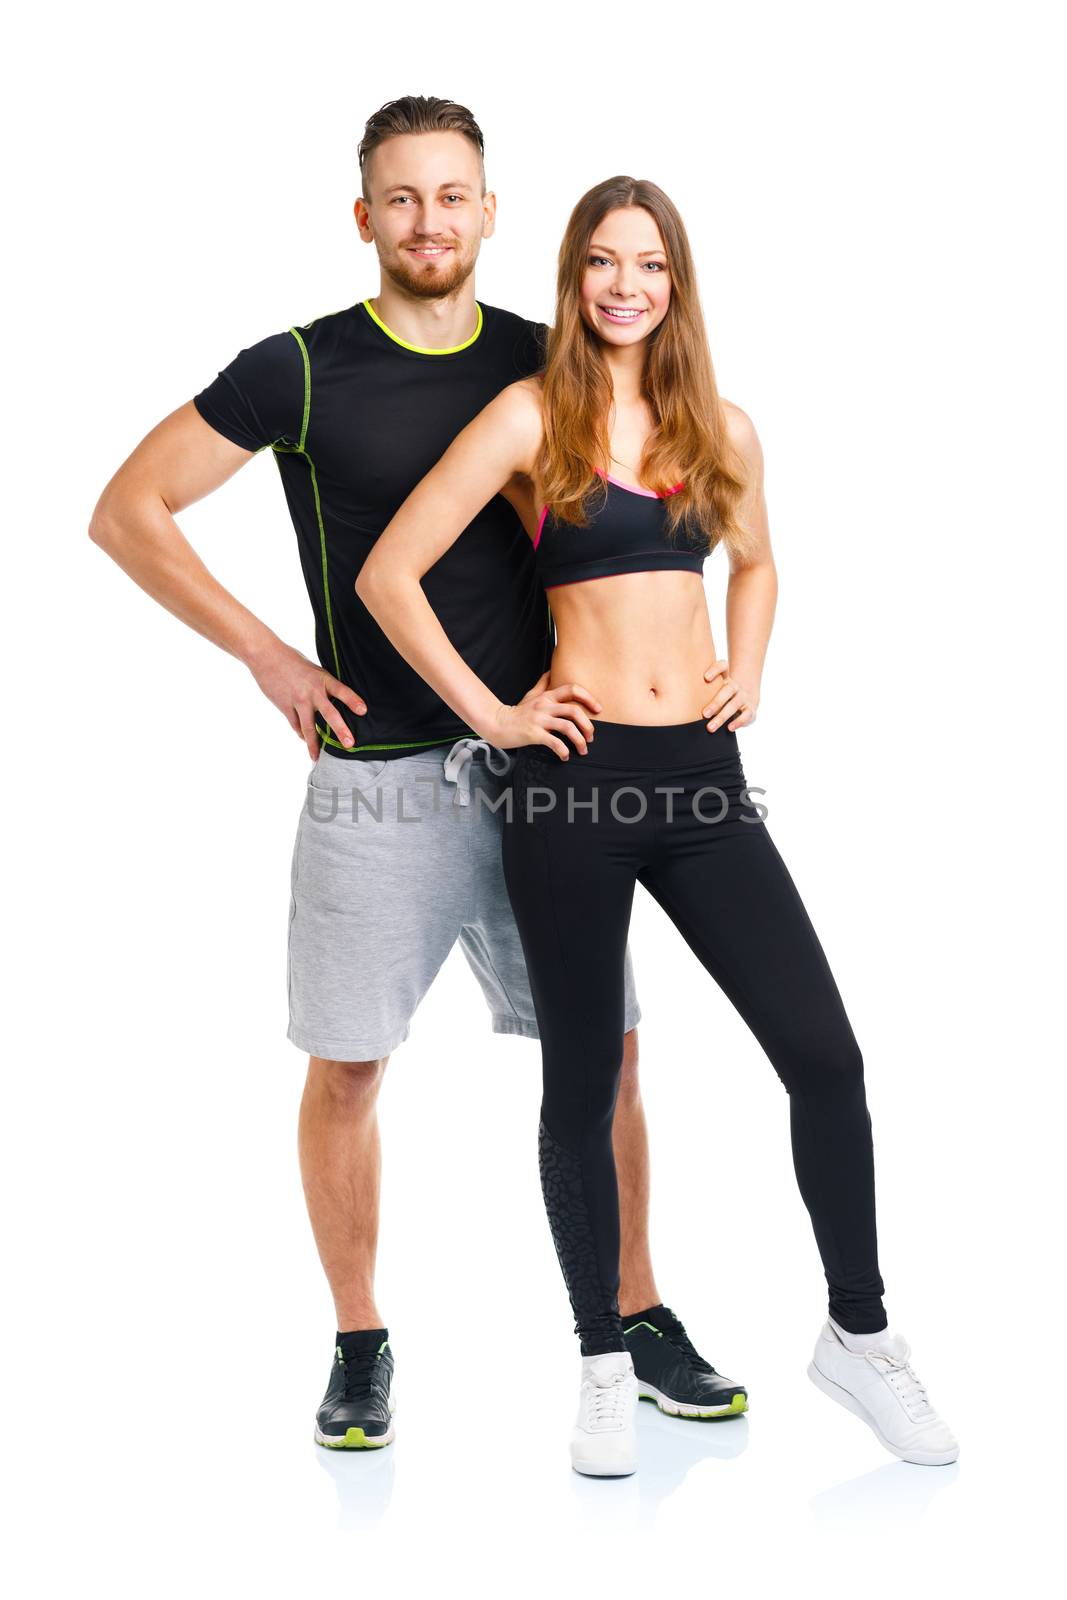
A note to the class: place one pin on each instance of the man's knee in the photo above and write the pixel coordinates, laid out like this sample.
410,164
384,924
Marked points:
349,1085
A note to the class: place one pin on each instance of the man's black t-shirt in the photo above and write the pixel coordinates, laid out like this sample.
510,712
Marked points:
355,416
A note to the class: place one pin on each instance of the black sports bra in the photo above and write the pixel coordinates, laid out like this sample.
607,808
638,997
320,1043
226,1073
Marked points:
627,535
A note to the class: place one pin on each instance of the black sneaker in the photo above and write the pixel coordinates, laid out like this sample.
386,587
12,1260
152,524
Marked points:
357,1410
670,1372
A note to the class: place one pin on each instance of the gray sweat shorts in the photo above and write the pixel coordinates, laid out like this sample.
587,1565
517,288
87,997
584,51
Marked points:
394,861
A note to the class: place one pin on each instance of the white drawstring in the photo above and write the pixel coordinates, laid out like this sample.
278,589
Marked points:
458,764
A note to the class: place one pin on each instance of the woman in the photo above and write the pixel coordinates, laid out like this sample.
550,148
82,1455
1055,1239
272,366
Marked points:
627,470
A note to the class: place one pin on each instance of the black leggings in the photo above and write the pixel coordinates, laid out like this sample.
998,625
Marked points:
671,813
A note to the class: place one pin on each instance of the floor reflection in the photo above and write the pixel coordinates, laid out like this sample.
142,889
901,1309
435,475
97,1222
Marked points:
668,1448
898,1492
364,1483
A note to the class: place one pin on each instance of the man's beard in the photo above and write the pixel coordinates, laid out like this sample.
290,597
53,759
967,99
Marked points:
429,285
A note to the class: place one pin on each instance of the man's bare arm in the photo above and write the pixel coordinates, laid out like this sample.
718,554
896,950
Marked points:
179,462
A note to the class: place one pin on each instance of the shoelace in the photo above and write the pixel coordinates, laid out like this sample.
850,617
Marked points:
905,1383
678,1337
606,1400
357,1374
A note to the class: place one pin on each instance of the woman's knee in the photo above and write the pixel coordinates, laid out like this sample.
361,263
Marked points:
580,1088
829,1065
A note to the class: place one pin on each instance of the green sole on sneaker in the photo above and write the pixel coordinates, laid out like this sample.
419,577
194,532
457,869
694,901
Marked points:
354,1439
674,1408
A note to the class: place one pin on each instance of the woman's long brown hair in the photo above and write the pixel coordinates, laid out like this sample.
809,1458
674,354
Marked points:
689,441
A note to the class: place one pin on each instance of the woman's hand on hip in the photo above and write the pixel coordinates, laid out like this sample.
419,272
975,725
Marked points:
731,702
543,715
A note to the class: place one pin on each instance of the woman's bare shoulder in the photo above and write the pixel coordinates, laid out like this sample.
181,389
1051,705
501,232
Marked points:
526,392
742,432
517,411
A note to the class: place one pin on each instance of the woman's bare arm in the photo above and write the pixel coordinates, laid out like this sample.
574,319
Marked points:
498,447
751,594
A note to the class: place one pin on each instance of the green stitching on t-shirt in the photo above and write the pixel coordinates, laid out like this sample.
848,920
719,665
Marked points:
307,388
325,569
420,744
300,450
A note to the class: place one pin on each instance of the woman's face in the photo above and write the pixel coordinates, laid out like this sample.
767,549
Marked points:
626,288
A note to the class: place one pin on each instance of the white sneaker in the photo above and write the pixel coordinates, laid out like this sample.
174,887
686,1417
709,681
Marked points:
880,1386
604,1440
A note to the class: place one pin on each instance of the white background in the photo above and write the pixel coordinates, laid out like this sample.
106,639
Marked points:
872,197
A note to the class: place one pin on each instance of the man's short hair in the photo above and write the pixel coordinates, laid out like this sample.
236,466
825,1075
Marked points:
418,113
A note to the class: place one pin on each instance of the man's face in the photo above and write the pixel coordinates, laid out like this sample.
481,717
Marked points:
425,212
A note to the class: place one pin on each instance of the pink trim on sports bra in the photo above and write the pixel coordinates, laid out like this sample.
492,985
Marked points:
649,494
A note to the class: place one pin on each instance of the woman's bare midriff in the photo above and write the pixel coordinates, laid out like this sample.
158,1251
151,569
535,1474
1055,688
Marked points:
640,642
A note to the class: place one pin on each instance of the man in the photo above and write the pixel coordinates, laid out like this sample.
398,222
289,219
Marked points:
355,407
